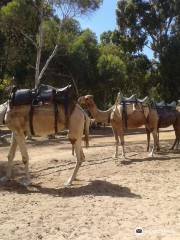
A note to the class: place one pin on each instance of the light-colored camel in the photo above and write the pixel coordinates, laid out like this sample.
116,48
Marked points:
136,117
3,109
18,121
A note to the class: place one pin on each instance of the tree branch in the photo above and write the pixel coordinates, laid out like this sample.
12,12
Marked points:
29,38
47,62
168,25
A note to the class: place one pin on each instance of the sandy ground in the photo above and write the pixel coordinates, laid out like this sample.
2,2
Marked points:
110,199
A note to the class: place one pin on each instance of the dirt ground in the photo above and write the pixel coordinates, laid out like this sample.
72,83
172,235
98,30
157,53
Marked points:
111,199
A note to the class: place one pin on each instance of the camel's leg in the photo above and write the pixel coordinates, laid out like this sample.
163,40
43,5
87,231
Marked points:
157,145
20,138
174,144
78,151
177,145
11,156
148,139
177,132
82,155
121,135
176,140
116,143
155,138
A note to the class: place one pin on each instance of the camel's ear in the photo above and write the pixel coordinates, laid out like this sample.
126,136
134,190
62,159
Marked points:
81,100
88,99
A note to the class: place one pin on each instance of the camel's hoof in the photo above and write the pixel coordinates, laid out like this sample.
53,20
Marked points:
82,161
115,156
68,183
150,155
4,179
25,182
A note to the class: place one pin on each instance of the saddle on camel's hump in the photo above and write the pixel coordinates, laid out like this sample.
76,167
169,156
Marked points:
44,94
165,106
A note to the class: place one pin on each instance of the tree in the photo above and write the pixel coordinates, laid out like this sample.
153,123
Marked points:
170,71
4,2
152,23
146,23
83,60
43,10
112,72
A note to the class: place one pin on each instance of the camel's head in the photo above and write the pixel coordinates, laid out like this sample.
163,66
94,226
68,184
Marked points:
87,100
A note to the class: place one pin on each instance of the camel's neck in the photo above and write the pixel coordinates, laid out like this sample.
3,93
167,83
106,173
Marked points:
99,115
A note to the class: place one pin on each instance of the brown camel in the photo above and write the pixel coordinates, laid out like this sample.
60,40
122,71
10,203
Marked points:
168,116
17,119
176,142
136,117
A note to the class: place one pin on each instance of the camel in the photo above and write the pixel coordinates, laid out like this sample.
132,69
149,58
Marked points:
136,117
176,142
19,121
168,115
3,109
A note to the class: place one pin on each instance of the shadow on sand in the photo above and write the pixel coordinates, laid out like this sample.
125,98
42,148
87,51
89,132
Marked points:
129,161
93,188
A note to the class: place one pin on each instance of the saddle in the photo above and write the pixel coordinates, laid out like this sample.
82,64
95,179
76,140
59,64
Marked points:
172,104
134,99
43,95
124,101
163,105
130,99
160,104
143,100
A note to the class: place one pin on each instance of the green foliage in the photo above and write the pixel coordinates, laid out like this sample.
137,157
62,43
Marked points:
19,21
4,90
143,22
84,54
51,29
170,70
151,23
80,6
110,67
19,16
